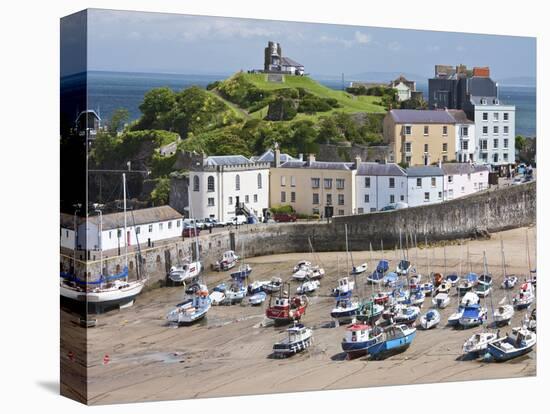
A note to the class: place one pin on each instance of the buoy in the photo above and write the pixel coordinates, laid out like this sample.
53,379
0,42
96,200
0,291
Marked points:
106,359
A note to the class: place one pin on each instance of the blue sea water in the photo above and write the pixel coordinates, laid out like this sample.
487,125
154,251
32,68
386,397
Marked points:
108,91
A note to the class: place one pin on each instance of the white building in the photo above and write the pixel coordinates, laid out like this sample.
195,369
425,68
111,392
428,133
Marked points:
379,185
424,185
145,227
464,179
495,129
220,184
465,138
404,88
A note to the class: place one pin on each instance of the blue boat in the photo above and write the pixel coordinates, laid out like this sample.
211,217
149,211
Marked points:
395,339
243,272
519,342
257,298
359,337
473,315
345,309
390,279
379,273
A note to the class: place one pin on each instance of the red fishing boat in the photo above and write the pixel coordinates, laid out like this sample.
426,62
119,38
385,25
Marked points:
284,309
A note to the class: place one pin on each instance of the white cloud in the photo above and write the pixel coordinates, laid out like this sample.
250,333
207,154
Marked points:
362,38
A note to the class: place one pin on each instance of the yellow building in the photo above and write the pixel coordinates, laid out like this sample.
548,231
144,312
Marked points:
420,137
313,187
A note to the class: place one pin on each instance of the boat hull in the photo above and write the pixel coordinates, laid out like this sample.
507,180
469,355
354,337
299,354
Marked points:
100,302
356,349
385,349
284,350
501,356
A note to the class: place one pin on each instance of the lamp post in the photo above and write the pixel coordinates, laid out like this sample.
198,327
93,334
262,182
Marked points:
76,210
97,209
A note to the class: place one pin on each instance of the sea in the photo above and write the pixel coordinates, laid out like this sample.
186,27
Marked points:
108,91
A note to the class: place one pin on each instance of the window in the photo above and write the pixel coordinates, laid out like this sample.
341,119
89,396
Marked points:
483,144
464,145
315,198
340,183
150,229
506,143
451,191
283,197
402,197
495,116
210,183
237,182
178,223
329,199
341,212
169,225
505,156
495,143
196,183
485,116
444,129
119,231
293,197
505,129
367,182
407,130
444,147
495,129
440,195
340,199
392,182
462,188
360,210
246,199
392,198
419,182
292,181
367,198
259,178
408,159
445,158
315,182
230,201
485,129
161,226
505,116
495,157
408,147
138,230
433,181
426,130
464,131
450,179
328,182
255,198
426,196
67,234
425,147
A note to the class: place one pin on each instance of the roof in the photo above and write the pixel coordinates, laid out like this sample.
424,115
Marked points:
460,116
463,168
320,165
269,156
116,220
374,168
286,61
227,160
421,116
490,100
424,171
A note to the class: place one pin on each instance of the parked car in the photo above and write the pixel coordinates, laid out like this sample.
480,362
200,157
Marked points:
205,224
189,231
284,217
238,220
212,222
389,207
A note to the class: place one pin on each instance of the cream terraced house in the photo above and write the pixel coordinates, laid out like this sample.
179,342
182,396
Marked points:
420,137
313,187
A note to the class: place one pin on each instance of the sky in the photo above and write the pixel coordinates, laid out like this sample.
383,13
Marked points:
172,43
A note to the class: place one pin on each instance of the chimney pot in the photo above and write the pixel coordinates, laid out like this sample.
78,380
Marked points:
311,158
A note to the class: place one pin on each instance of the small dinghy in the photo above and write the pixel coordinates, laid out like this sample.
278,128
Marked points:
452,278
345,287
414,281
357,270
416,297
519,342
391,279
525,297
308,286
509,282
401,295
345,310
257,298
430,319
298,339
228,261
242,273
381,269
302,264
235,294
369,311
530,321
427,288
257,286
302,274
403,267
191,310
185,272
395,339
382,298
274,285
478,342
467,299
473,315
467,283
441,300
217,297
406,314
444,287
484,285
358,338
503,315
316,273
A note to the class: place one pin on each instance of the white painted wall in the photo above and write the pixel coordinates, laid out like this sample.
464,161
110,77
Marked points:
379,193
465,133
461,185
415,193
225,193
490,135
67,238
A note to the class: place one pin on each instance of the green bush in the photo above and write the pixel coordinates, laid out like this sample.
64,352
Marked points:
282,209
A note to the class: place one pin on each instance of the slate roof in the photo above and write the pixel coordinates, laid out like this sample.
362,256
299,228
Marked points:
269,156
476,100
227,160
424,171
374,168
320,165
462,168
460,116
421,116
286,61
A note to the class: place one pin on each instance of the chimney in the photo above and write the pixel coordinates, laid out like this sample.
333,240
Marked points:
311,158
277,156
301,157
439,163
357,162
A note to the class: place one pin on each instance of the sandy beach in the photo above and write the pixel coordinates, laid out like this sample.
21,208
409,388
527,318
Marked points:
228,353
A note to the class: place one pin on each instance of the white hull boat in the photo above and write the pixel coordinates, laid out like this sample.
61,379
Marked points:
503,315
478,342
192,310
299,339
430,319
183,273
441,300
217,297
357,270
308,287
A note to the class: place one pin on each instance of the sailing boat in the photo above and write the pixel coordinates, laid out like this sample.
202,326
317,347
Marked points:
381,269
108,292
191,310
355,270
504,313
519,342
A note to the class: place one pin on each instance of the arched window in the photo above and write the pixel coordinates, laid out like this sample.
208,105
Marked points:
259,180
237,182
211,183
196,184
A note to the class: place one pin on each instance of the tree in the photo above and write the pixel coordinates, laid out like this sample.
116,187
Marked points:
156,103
520,142
118,119
161,193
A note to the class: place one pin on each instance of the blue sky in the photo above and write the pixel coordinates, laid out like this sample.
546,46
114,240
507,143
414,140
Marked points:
172,43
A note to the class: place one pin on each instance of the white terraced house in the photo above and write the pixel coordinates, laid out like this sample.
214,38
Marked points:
465,136
461,180
145,226
379,185
424,185
219,183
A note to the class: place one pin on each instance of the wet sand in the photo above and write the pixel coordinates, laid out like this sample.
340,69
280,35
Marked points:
228,353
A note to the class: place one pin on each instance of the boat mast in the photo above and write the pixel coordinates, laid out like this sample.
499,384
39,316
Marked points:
444,260
528,254
486,271
347,247
125,224
370,248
